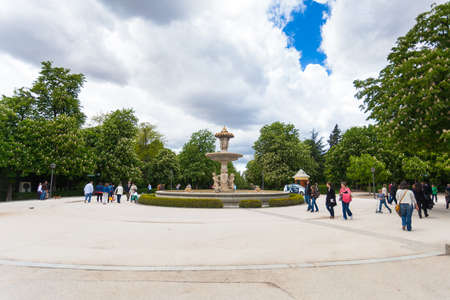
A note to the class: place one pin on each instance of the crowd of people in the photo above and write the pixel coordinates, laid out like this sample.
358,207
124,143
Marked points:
420,196
108,193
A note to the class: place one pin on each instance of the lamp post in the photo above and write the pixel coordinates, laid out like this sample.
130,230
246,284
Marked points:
52,166
373,180
171,179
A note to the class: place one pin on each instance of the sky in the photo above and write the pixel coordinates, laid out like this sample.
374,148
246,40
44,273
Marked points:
186,65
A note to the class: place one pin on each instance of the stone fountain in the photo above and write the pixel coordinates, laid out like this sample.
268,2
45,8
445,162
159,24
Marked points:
224,182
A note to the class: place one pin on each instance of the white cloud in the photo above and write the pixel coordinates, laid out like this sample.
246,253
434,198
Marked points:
187,65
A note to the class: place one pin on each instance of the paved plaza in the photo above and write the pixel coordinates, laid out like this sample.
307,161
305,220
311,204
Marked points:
66,249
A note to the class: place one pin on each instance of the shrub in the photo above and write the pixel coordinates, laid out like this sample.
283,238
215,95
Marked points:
294,199
151,199
250,203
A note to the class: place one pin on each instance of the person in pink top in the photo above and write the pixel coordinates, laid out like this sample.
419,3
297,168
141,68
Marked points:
346,197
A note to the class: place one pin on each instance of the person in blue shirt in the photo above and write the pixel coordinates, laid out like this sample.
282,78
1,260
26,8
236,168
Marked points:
106,191
382,197
99,191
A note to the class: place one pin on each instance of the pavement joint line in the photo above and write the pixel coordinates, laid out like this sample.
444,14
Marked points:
353,230
257,267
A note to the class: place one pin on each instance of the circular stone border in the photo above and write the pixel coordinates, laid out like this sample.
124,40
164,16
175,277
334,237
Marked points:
17,263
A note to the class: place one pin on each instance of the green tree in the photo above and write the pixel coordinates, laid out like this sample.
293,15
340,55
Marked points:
355,141
42,127
166,168
279,154
409,99
359,169
196,168
148,142
317,152
115,150
335,136
415,168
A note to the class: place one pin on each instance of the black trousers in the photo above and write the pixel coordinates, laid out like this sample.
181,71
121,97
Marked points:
99,197
330,208
422,206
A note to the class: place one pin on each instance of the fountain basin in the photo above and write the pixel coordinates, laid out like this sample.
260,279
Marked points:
229,199
223,156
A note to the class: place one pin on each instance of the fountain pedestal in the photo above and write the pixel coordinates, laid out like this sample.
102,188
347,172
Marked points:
224,182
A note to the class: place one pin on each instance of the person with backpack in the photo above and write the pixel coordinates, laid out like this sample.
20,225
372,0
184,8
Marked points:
420,199
406,202
346,196
314,196
308,195
330,201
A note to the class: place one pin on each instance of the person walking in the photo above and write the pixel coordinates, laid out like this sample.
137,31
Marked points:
44,190
407,202
434,192
420,199
119,192
149,187
308,195
106,190
330,201
99,191
88,190
39,190
393,192
384,191
127,190
314,196
382,198
346,195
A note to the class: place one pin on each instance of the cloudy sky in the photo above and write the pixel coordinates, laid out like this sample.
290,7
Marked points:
186,65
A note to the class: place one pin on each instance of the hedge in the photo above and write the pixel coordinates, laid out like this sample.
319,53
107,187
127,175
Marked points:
250,203
294,199
151,199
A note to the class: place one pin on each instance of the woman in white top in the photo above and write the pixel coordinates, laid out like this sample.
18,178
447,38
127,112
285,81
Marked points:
407,203
119,192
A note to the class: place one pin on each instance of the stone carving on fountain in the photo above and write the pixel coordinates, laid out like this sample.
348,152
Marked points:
223,182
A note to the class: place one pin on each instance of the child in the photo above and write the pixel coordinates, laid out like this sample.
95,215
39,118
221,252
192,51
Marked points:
134,197
382,198
434,191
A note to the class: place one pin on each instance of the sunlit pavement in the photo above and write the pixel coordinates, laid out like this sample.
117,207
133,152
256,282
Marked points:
66,249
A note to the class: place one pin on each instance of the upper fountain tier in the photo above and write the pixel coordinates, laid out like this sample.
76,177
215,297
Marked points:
224,156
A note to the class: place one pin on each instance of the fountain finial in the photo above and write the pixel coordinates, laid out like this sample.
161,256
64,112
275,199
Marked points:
224,136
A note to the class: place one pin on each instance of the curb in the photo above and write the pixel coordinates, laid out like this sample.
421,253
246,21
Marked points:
219,268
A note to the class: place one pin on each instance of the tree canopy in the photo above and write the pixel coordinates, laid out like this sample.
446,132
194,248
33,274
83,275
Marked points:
409,99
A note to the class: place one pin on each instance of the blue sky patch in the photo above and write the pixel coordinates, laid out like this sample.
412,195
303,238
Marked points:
304,32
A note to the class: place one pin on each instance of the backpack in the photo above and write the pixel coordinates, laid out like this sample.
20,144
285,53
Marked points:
346,197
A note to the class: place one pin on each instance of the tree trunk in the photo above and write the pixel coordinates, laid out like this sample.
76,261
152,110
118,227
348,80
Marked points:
9,193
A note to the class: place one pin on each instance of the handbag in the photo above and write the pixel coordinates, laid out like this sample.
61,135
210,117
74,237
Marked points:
397,207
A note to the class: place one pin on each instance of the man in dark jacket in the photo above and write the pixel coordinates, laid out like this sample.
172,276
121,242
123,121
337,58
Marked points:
127,189
393,193
308,195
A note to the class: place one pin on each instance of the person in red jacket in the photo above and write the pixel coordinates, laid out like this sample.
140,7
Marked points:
346,196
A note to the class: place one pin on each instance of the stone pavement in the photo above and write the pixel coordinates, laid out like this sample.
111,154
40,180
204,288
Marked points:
124,251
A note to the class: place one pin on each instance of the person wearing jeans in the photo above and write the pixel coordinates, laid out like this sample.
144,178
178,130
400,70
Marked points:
314,196
308,195
346,195
407,203
119,192
88,190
